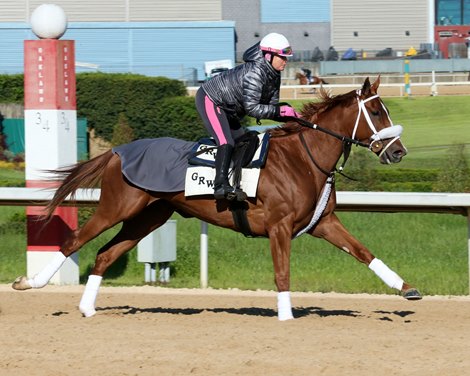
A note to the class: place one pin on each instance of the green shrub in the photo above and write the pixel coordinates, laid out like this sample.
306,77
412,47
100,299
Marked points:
11,88
362,168
455,173
102,97
177,117
407,175
122,132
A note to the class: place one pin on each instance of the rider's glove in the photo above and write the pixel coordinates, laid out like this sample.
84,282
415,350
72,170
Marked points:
288,111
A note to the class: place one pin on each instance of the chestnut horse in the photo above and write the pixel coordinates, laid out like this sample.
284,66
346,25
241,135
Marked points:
299,170
303,80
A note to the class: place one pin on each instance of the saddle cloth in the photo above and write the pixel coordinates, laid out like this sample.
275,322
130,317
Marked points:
161,165
201,172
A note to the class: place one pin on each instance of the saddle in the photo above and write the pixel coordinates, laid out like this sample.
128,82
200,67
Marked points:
249,155
250,152
243,154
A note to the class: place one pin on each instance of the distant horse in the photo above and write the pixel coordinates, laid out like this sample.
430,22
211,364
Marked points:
295,195
303,80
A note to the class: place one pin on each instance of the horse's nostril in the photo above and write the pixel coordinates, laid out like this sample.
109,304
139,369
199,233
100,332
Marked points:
400,153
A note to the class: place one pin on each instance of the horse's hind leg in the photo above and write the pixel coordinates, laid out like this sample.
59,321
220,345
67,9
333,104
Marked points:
77,238
118,201
331,229
132,231
102,219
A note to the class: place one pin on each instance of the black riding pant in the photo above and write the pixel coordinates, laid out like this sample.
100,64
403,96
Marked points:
224,129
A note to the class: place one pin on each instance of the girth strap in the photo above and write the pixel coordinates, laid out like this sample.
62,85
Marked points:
240,219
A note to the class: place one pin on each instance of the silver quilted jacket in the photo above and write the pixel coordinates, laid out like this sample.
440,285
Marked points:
249,89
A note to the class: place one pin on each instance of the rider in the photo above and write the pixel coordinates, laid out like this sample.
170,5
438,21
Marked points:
249,89
307,73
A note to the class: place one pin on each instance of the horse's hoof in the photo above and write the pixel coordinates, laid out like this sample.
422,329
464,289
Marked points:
412,294
21,283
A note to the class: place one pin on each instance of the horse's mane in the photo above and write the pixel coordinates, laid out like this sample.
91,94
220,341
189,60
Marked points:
326,102
311,111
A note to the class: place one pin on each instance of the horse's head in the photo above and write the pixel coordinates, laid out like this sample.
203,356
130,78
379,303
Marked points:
375,127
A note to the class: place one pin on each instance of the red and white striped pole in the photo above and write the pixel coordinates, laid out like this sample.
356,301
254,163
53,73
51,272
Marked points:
50,135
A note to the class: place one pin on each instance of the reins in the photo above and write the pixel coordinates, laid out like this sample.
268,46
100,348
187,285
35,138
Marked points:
344,139
347,143
376,145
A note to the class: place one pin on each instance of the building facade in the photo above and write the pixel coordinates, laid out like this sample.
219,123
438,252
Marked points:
305,23
452,31
157,38
118,10
397,24
175,38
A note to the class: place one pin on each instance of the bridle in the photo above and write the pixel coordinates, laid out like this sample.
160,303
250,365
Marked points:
375,145
393,132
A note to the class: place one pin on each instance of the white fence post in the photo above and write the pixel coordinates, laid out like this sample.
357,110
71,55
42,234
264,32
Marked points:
204,254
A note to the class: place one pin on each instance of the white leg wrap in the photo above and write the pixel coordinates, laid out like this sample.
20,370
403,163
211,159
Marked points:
284,308
387,275
43,277
87,303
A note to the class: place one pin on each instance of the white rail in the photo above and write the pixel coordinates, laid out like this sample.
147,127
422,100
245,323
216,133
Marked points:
424,202
386,89
392,202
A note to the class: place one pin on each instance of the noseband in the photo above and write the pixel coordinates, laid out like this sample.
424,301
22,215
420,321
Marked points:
376,144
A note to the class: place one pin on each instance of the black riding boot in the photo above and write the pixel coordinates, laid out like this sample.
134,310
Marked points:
222,187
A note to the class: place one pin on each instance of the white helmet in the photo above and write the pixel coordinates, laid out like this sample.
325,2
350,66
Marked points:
276,43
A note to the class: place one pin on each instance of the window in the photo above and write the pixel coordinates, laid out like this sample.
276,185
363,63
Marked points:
452,12
449,12
466,12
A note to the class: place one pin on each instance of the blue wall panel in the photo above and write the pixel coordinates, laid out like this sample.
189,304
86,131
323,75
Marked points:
11,46
173,49
295,11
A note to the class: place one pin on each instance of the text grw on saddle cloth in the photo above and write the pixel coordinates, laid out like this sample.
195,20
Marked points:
200,177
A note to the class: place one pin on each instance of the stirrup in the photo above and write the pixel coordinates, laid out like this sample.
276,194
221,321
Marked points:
229,193
236,195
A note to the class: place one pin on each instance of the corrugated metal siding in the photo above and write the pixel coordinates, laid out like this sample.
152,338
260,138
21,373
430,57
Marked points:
12,11
175,10
379,24
295,11
89,10
118,10
177,52
106,47
11,43
171,49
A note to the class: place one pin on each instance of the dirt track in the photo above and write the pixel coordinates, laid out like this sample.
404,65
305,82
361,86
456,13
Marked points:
153,331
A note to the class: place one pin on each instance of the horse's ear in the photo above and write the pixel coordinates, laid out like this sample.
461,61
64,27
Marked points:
376,84
365,91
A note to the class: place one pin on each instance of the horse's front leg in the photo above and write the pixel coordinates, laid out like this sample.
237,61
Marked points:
280,242
331,229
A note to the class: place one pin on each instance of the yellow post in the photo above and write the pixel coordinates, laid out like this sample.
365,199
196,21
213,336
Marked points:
407,78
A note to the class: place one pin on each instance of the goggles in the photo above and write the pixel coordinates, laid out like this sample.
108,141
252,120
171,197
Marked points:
287,51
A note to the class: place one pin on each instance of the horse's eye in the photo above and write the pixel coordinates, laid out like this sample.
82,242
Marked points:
375,113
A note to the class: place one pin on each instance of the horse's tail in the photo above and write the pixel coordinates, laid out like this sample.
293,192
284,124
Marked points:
81,175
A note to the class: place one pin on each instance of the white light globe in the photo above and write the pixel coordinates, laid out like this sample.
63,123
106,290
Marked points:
48,21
